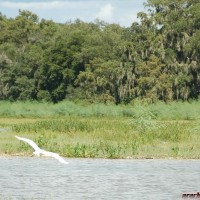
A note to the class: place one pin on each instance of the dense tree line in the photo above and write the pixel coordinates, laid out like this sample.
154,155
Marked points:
156,59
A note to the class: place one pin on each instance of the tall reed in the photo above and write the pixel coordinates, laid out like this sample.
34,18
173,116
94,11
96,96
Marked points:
160,110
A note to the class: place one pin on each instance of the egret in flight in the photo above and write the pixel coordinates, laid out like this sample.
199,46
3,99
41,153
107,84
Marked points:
39,151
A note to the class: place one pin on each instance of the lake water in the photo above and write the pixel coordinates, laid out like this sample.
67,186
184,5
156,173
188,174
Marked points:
45,178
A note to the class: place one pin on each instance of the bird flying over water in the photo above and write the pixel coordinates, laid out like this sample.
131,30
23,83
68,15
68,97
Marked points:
39,151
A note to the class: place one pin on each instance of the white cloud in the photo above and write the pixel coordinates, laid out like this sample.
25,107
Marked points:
59,11
106,12
111,11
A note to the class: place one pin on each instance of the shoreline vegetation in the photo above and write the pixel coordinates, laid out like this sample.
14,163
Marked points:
84,130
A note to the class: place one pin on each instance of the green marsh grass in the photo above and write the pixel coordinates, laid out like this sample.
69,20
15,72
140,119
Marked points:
102,138
102,131
65,108
159,110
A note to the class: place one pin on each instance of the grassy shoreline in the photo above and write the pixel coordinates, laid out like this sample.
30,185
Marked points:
102,131
90,137
128,158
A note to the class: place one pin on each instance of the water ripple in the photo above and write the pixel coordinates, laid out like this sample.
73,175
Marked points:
42,178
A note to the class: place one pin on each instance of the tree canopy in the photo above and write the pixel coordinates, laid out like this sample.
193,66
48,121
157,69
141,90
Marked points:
155,59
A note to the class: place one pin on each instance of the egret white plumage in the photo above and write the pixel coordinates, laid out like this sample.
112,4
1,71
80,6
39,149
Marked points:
39,151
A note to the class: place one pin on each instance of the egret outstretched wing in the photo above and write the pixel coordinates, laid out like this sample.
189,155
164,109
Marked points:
59,158
30,142
39,151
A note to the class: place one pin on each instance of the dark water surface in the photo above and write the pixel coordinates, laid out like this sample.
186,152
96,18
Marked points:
42,178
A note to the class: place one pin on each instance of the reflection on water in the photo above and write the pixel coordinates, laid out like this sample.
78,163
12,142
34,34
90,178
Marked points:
42,178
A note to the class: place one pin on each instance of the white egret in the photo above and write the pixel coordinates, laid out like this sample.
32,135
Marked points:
39,151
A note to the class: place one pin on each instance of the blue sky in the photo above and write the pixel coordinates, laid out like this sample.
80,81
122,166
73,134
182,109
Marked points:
123,12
